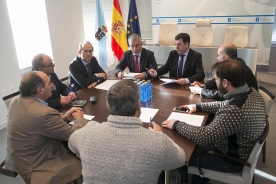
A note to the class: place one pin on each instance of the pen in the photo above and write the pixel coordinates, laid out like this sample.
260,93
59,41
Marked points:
150,124
147,69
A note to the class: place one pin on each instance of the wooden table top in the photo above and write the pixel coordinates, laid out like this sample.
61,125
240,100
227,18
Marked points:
164,98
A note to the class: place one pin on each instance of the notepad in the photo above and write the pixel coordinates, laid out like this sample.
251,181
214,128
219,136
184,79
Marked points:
191,119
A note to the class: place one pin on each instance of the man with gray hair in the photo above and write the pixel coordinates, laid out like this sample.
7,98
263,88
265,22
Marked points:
44,63
35,133
84,70
121,150
138,60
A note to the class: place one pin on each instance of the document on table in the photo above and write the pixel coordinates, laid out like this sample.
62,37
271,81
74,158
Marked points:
86,116
130,76
106,84
191,119
167,81
147,113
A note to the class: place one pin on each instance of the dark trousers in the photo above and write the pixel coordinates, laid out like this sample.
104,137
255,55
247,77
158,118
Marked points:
211,162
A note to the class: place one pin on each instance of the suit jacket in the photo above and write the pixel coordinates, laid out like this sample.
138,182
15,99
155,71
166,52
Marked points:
61,89
147,60
34,148
78,77
193,68
216,95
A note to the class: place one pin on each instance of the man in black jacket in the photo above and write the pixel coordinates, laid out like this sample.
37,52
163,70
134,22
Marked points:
84,70
44,63
183,63
138,60
226,51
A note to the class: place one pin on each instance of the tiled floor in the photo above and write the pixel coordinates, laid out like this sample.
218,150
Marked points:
268,167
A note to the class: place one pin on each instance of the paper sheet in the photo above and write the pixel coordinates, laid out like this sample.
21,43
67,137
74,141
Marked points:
147,113
168,81
130,76
191,119
86,116
106,84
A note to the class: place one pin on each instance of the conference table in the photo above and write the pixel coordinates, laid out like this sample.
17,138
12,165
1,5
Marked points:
164,98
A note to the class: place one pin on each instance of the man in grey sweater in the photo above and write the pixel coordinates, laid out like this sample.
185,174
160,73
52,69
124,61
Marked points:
121,150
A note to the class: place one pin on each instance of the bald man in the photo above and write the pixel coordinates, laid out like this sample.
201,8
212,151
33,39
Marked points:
35,133
226,51
44,63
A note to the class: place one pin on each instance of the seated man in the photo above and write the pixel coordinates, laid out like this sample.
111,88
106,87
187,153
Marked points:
183,63
84,70
138,59
226,51
44,63
238,124
121,150
35,132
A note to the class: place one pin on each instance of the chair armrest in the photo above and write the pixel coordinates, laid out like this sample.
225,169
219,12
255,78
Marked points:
7,172
221,155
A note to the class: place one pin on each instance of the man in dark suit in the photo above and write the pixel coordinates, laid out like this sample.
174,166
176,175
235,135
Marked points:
138,59
84,70
183,63
44,63
225,52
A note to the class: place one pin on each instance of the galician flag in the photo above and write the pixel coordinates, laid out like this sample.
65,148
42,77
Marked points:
104,52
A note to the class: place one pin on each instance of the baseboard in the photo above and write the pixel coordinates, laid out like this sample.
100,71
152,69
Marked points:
3,125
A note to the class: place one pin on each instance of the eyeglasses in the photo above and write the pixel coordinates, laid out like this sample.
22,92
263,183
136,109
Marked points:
50,65
87,51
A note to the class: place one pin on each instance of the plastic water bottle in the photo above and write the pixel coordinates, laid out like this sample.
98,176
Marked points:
149,90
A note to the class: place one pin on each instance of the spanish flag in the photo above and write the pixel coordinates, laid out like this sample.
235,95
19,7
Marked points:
118,38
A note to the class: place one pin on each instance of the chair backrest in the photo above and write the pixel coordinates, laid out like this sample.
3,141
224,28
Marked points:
268,98
9,177
7,99
202,33
65,81
248,172
238,35
167,33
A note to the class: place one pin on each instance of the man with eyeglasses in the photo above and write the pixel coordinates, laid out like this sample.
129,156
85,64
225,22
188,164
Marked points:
44,63
84,70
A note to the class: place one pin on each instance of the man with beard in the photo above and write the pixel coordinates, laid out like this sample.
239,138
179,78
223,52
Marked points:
121,150
226,51
238,123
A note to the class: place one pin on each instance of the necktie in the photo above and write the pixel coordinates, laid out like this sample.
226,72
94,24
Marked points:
136,64
54,91
88,70
180,67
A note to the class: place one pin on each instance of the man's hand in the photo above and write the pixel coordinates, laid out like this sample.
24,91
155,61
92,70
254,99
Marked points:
198,84
92,85
103,75
181,81
195,90
65,100
192,108
68,116
155,127
72,95
77,114
153,72
140,76
168,123
120,75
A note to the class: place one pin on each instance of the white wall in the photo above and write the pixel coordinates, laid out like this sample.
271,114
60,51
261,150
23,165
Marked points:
66,31
9,68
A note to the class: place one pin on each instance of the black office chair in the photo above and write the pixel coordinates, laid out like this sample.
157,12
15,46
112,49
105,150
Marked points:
9,177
